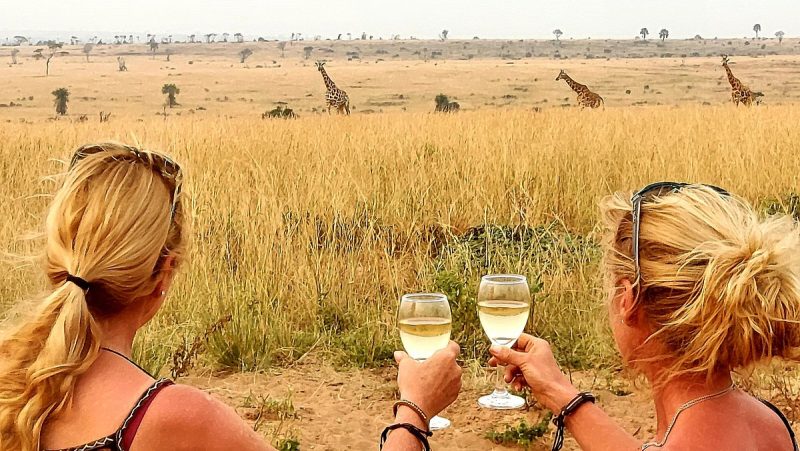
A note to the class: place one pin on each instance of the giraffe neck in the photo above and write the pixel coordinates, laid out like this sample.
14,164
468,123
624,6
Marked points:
328,82
577,87
731,79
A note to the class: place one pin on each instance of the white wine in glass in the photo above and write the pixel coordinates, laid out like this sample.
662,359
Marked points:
504,304
425,323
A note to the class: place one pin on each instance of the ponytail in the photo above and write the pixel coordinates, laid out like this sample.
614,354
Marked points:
40,360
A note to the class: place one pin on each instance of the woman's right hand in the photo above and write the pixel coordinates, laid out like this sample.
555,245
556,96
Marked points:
433,384
531,364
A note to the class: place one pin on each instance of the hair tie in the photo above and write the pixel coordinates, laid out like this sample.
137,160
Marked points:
81,283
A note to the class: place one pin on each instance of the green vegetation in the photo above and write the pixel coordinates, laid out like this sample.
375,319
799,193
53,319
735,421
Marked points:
522,434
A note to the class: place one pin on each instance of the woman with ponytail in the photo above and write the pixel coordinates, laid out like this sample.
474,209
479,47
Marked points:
699,286
115,235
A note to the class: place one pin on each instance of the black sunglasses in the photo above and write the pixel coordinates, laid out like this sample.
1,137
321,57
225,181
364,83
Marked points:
648,192
164,165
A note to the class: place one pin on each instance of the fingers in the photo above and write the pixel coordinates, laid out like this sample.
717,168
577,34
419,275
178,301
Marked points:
506,355
399,356
524,342
454,348
511,372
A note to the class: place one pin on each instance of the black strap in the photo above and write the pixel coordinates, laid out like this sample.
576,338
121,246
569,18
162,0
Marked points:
579,400
785,421
81,283
129,360
418,433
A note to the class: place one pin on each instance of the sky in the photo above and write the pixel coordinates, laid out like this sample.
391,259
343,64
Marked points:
516,19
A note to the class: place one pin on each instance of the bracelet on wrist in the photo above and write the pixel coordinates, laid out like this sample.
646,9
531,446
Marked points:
413,406
418,433
560,419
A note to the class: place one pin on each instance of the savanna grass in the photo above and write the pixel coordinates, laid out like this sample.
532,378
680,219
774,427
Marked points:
307,232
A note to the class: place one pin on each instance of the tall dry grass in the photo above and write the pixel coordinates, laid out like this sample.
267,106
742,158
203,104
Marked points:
307,232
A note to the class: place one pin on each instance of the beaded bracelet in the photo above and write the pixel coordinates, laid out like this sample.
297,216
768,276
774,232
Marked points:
418,433
417,409
579,400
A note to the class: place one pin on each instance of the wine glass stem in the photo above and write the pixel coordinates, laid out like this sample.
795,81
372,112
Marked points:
500,382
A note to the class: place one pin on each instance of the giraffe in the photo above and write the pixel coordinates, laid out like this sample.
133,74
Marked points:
334,96
586,98
739,92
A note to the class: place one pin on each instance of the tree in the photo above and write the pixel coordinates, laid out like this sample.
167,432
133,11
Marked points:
349,36
87,49
22,40
757,29
192,38
14,53
61,98
663,34
225,37
443,35
780,35
153,47
282,48
239,37
363,35
307,51
53,51
557,33
244,54
644,32
210,37
171,91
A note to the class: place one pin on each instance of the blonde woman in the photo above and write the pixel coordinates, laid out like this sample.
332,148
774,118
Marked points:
698,287
115,235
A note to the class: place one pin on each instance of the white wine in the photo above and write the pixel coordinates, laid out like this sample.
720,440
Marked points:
424,336
503,321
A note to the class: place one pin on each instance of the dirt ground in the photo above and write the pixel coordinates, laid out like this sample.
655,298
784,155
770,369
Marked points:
336,410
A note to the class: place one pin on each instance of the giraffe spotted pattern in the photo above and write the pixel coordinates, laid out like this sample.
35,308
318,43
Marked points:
586,98
334,97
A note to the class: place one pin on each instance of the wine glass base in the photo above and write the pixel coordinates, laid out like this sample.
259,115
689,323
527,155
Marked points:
438,423
506,402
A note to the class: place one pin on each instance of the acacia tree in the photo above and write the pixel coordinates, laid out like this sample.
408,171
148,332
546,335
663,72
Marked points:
644,32
61,98
780,35
443,35
307,51
663,34
192,38
87,49
757,29
53,51
244,54
171,91
14,53
557,33
239,37
225,37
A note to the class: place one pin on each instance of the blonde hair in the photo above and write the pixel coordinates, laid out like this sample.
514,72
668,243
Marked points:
719,285
112,223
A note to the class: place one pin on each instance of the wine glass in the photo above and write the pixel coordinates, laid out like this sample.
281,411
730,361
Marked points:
424,322
504,303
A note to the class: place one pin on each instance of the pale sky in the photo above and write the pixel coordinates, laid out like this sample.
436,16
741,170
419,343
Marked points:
420,18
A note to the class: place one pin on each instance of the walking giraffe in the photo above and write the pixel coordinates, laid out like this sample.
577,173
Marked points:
739,92
586,98
334,96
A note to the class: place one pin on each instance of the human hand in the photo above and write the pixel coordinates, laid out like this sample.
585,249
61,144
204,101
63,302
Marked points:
531,364
433,384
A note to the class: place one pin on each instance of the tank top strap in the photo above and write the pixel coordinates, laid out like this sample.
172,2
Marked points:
127,432
785,422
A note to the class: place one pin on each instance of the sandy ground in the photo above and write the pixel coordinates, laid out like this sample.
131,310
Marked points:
335,410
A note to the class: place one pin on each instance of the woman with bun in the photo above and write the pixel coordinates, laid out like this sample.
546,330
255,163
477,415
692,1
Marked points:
698,287
115,235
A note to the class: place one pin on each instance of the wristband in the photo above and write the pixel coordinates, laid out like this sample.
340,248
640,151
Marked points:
579,400
418,433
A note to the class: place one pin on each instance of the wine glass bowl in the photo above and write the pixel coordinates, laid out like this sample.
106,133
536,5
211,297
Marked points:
424,321
504,304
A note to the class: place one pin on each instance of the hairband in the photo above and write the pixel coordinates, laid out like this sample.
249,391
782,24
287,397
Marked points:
81,283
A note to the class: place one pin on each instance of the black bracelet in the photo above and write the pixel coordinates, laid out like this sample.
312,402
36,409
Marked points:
420,435
568,410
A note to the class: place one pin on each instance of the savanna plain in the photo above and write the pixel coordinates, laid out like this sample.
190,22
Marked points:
307,231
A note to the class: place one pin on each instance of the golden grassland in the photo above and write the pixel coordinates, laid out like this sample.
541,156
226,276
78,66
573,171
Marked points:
307,232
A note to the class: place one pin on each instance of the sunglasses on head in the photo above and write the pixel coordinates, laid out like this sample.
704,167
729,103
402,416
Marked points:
649,192
164,165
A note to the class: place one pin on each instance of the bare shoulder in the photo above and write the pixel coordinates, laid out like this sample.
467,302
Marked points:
742,423
181,418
